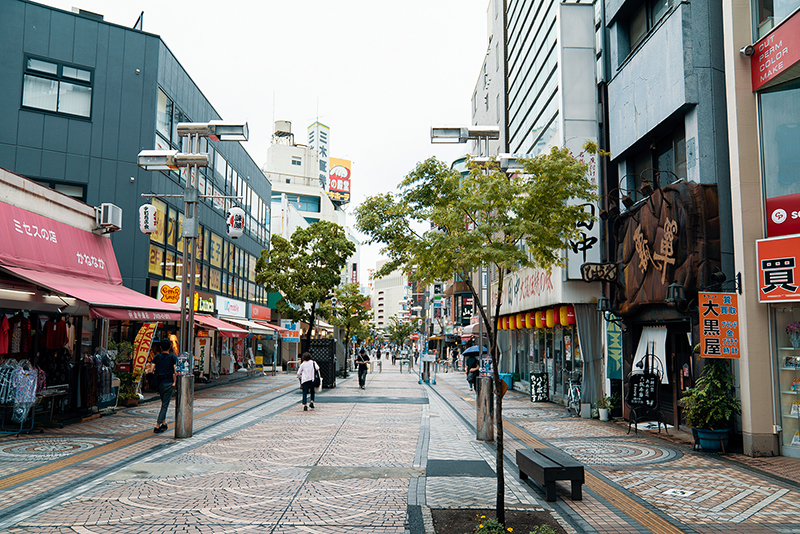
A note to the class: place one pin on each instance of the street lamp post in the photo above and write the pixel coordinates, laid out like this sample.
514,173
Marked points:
481,135
159,160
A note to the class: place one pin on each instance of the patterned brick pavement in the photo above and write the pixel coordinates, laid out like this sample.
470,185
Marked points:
357,463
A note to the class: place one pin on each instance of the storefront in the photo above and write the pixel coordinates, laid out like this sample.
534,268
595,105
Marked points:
217,344
671,238
549,330
60,287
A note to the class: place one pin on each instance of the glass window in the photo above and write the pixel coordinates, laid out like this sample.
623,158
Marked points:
638,25
180,232
161,207
179,267
296,160
163,114
205,276
215,250
198,274
780,139
156,261
199,243
43,88
207,241
42,66
170,266
231,257
214,280
75,191
172,230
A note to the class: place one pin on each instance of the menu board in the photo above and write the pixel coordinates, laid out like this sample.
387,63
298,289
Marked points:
643,389
540,387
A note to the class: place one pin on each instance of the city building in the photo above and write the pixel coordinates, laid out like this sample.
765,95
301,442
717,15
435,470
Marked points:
763,119
548,75
389,297
81,97
666,190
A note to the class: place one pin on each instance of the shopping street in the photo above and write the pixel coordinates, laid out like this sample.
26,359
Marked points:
374,460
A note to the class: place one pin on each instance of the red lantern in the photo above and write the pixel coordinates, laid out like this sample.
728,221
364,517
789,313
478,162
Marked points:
568,315
530,319
540,320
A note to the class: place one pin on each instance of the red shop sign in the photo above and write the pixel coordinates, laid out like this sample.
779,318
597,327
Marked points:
776,52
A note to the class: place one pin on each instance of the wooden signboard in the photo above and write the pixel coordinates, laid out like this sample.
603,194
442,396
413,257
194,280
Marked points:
540,387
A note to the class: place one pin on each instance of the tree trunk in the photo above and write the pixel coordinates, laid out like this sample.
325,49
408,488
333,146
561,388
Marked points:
491,330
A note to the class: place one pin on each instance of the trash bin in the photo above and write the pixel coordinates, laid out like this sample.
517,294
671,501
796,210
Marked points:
508,379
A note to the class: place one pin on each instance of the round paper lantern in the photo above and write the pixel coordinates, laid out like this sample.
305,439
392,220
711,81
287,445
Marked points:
556,316
520,321
567,315
550,318
540,320
512,322
530,319
502,323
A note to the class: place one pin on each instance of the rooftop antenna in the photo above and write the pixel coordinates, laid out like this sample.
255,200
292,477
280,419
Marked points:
139,22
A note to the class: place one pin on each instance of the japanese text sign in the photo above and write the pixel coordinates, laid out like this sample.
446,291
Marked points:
141,345
777,264
719,325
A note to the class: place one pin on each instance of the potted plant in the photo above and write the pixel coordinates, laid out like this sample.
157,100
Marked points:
710,405
128,380
604,404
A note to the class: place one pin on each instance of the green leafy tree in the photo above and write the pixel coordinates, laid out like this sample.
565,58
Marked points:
304,269
350,312
400,331
442,224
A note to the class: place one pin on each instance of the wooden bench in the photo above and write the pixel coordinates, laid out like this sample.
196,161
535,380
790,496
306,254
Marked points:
546,466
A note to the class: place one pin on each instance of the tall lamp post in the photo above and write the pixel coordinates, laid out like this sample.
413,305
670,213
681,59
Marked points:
160,160
481,135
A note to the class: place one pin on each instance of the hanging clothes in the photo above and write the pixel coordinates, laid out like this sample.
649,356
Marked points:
19,335
70,336
4,335
55,334
24,379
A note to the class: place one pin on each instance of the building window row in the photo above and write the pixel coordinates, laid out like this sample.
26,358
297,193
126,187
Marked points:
220,178
57,87
221,266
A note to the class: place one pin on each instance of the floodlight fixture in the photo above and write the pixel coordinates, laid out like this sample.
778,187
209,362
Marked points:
448,134
215,130
163,160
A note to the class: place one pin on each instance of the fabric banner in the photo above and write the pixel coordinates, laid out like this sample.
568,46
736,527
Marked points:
655,337
614,344
141,345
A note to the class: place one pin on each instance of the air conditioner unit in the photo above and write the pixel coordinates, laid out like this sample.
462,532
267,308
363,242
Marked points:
110,217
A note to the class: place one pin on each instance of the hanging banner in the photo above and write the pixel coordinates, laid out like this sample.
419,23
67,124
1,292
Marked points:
614,344
141,345
719,325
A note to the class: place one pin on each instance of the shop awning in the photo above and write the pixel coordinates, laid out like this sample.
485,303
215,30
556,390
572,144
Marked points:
105,300
254,327
280,330
225,329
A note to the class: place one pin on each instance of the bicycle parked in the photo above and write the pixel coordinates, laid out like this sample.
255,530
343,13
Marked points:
573,391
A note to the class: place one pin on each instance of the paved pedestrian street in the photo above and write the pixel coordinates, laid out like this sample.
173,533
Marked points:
369,461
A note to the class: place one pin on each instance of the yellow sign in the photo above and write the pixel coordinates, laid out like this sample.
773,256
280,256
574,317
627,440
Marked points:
141,345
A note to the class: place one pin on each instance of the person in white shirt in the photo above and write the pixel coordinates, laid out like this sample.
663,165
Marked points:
306,373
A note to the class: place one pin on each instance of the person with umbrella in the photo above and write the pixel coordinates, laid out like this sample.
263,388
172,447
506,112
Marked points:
472,365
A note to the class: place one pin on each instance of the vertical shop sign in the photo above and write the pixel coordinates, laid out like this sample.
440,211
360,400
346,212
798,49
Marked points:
719,325
614,344
141,345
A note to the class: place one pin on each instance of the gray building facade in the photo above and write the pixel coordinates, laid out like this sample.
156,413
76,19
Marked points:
80,99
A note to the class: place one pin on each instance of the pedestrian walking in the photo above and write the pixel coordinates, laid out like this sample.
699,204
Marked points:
166,373
307,373
455,359
472,367
363,364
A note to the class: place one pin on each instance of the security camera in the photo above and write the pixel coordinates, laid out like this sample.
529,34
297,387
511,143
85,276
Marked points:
748,50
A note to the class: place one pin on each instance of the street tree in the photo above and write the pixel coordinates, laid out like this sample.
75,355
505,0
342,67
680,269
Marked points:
399,332
349,310
304,269
442,223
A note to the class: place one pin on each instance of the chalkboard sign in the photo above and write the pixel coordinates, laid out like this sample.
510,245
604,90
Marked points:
643,389
540,387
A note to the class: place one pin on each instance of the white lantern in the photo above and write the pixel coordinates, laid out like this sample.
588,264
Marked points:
235,222
148,218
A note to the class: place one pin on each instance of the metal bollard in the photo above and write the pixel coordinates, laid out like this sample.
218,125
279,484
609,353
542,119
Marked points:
485,406
184,407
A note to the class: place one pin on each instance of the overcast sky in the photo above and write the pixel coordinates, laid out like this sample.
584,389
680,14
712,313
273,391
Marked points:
379,73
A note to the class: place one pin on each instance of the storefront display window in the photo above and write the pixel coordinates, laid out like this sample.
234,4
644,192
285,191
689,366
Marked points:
170,266
214,280
780,140
770,13
156,262
787,340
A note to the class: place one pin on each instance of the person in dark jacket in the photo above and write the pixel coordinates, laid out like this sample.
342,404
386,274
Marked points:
363,364
166,365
